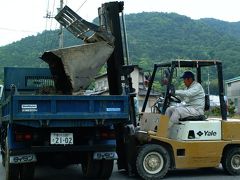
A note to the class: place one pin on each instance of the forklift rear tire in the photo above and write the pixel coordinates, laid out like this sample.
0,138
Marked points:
153,162
12,170
231,161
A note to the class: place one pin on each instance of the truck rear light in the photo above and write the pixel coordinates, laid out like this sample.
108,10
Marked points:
107,135
23,137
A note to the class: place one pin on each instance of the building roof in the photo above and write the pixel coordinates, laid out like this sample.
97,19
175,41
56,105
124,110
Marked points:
105,74
101,75
143,92
232,80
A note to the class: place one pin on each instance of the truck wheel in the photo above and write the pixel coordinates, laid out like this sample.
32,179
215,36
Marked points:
27,171
12,170
3,143
3,153
90,167
106,169
153,162
3,160
231,161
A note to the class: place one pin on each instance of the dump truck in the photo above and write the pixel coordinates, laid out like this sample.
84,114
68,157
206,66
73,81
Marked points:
46,119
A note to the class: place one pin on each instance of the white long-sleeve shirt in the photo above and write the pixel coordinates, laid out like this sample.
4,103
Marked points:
193,96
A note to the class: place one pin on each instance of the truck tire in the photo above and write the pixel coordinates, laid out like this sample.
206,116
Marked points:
12,170
3,160
3,143
231,161
27,171
106,169
153,162
90,167
3,153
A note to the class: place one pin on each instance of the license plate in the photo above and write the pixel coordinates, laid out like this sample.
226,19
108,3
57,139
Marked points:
105,155
62,138
26,158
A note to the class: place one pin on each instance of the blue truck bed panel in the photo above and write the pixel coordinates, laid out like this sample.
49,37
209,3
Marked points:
66,108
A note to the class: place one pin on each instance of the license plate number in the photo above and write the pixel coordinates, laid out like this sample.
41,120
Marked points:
105,155
62,138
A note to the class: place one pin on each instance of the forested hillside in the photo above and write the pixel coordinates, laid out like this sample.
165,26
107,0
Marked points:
222,27
152,37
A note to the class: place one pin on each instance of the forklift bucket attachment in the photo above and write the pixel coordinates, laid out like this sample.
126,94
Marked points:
73,68
83,29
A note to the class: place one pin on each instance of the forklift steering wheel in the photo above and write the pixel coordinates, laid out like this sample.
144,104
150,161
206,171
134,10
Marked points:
175,99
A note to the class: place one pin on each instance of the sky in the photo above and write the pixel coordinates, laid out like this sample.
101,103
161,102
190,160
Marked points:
22,18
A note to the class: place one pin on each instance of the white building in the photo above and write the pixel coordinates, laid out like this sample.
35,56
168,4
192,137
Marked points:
138,80
233,92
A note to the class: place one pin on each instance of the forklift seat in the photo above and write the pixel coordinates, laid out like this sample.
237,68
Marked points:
194,118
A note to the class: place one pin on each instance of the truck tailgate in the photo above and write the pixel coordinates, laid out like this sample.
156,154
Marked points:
67,109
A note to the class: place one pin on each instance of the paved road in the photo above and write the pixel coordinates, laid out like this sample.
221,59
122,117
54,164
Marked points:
74,173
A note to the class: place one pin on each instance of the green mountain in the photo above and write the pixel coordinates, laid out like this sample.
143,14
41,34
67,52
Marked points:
152,37
163,36
223,27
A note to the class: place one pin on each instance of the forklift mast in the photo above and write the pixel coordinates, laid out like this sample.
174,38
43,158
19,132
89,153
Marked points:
115,63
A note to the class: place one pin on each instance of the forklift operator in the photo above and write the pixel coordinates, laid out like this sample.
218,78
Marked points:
193,96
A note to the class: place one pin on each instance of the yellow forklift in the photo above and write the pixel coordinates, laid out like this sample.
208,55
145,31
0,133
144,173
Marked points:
194,142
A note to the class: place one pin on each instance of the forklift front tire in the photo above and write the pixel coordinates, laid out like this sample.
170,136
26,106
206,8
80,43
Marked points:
231,161
153,162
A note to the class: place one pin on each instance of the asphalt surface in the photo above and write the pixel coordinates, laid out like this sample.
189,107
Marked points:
74,173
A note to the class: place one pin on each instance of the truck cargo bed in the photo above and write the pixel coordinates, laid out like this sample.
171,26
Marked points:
65,110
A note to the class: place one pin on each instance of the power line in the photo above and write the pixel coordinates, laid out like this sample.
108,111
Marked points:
17,30
81,5
48,17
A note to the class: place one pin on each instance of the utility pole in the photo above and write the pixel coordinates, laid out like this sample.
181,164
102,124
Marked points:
208,83
61,28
